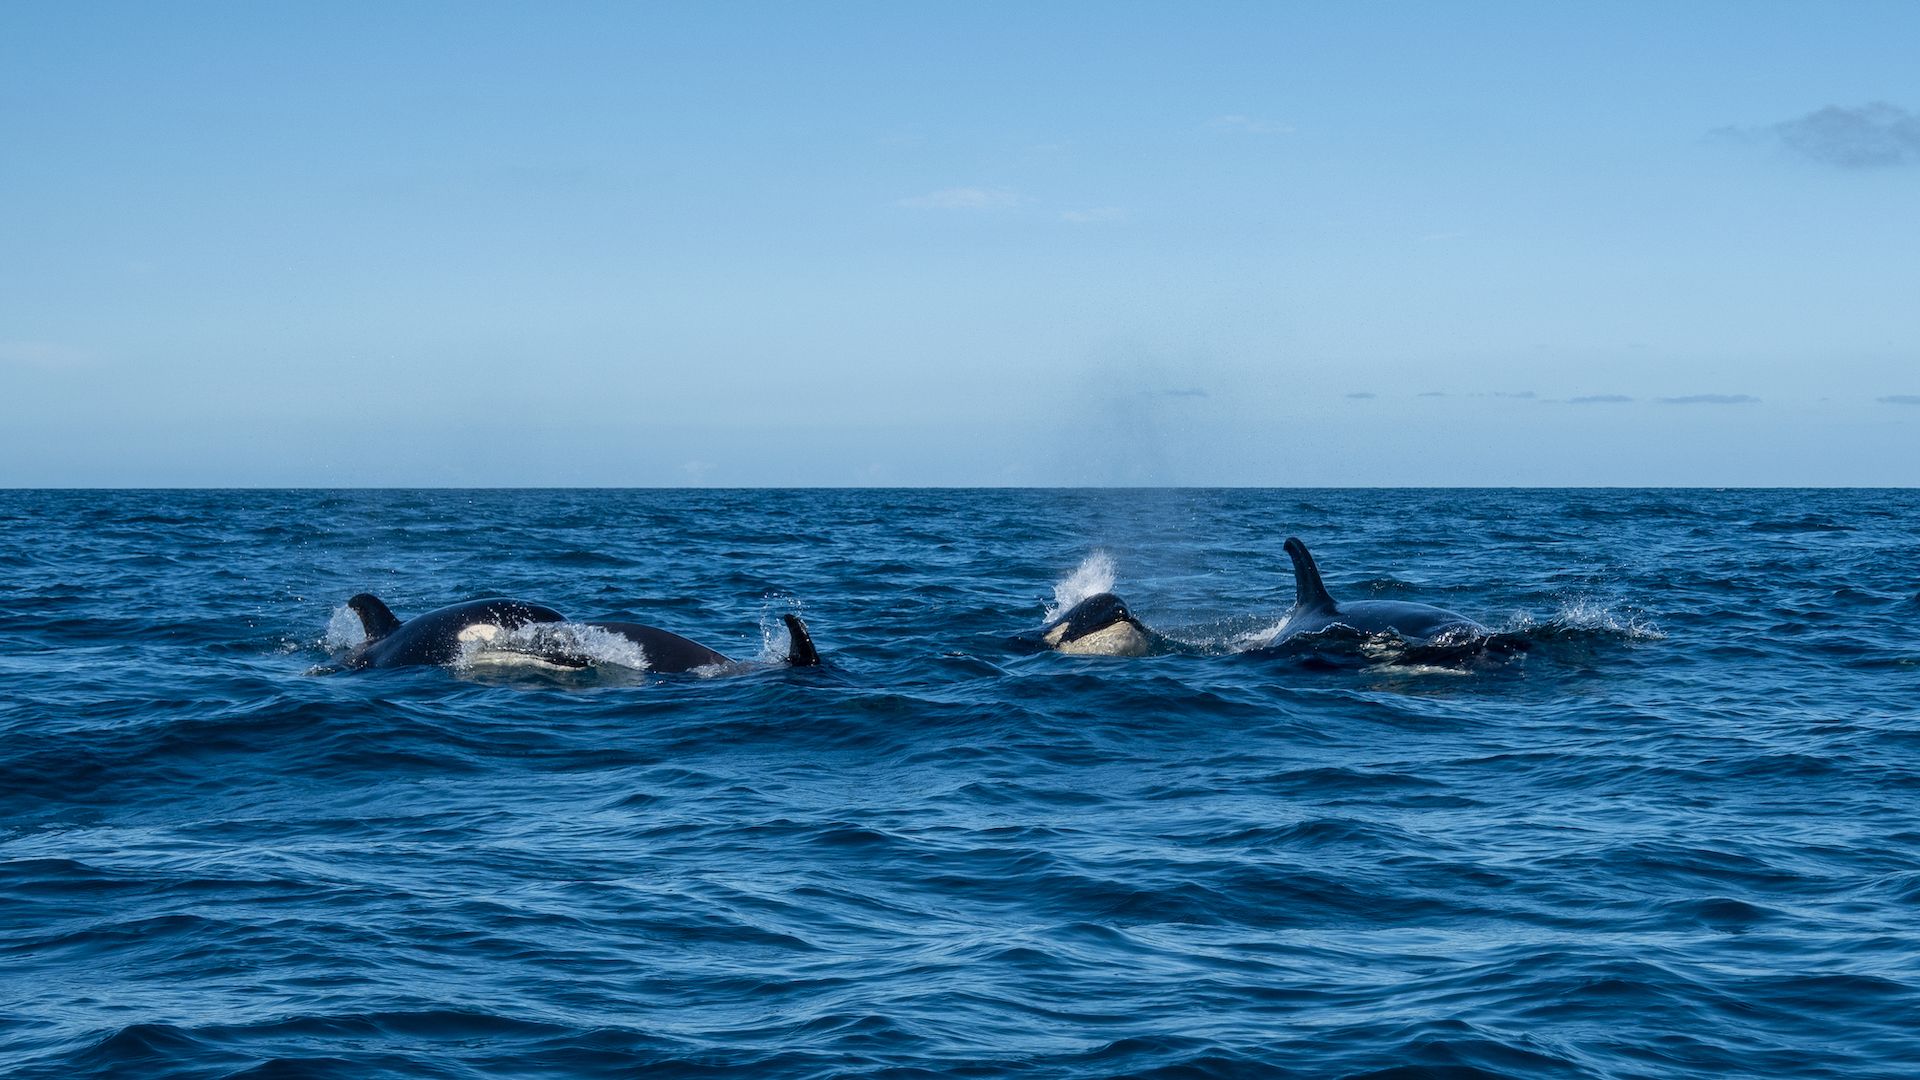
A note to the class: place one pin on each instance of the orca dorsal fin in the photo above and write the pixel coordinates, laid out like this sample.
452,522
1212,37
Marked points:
1309,593
800,650
375,617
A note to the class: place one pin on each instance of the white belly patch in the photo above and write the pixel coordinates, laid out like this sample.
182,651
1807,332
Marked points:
1120,639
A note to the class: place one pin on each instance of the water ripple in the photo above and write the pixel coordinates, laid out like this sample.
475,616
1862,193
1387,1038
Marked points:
1662,826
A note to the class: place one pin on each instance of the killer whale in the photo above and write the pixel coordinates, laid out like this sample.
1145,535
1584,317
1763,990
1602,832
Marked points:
1314,609
440,636
1100,625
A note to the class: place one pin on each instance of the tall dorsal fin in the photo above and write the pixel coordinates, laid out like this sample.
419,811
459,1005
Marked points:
375,617
1308,592
800,650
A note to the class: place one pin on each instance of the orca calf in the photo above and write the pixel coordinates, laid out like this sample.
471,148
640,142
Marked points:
1100,625
439,637
1314,610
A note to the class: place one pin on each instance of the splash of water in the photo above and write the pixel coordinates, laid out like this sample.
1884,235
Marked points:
1259,637
1093,576
1587,614
1584,613
344,630
775,641
577,642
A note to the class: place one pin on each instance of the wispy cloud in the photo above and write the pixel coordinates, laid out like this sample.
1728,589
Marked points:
1363,395
1876,135
964,198
1505,395
1598,399
46,355
1711,399
1249,125
1900,399
1097,215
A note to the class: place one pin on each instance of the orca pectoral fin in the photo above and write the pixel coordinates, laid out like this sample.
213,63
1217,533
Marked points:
375,617
1309,594
800,650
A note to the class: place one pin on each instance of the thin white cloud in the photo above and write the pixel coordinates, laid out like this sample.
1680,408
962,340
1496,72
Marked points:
1711,399
45,355
1098,215
1248,125
964,198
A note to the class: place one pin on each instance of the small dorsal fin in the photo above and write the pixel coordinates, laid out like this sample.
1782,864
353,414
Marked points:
800,650
1308,592
375,617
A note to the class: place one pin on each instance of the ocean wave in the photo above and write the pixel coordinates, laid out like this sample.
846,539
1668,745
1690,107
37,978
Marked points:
1656,824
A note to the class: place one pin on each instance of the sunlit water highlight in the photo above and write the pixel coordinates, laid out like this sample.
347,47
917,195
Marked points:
1671,828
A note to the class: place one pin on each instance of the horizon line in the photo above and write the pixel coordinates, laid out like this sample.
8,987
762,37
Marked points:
966,487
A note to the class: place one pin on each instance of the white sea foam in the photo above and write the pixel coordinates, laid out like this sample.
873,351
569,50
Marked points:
1410,670
1588,613
1259,637
1093,576
530,645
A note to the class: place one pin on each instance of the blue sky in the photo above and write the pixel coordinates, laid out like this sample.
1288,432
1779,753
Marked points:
741,244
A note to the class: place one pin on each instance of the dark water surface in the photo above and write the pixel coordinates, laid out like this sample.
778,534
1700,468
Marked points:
1676,834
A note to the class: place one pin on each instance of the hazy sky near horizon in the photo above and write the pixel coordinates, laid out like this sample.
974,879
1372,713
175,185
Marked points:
746,244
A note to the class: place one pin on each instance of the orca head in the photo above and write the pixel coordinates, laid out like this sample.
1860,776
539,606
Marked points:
1100,625
488,624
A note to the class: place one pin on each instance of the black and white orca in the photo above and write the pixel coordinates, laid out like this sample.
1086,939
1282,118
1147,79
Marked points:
1100,625
439,636
442,636
1314,610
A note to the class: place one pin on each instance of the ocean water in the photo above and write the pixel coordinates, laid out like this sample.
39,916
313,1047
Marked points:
1672,829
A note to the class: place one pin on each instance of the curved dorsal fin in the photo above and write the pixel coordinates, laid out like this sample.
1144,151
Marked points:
800,650
1308,592
375,617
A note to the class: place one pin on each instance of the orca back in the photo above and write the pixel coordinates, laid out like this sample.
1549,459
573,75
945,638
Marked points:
664,649
434,637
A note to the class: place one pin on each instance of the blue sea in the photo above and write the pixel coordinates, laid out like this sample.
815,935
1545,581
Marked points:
1672,829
